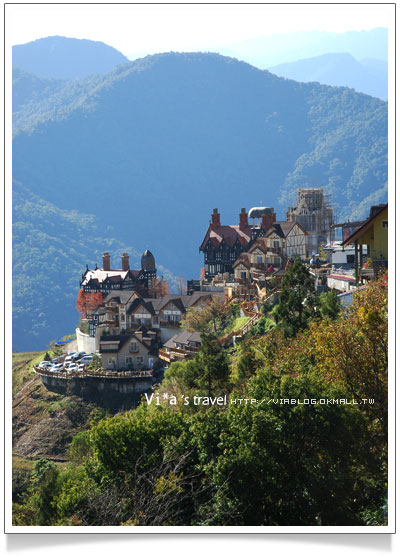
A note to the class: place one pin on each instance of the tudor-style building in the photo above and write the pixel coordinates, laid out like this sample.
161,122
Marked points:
223,245
106,279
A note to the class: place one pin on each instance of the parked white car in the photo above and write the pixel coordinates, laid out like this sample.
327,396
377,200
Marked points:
45,365
72,367
56,368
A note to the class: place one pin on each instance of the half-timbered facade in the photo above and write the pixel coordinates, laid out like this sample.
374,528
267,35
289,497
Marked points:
223,244
289,238
106,279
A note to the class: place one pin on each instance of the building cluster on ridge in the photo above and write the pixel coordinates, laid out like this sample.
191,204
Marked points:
138,326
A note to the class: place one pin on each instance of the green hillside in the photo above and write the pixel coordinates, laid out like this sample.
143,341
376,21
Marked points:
151,147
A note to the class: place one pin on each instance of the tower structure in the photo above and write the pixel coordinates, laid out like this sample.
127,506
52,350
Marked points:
314,213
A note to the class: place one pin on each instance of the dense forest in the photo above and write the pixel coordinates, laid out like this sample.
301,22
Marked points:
152,146
288,451
51,248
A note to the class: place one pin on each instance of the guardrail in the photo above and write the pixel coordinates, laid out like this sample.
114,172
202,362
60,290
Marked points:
98,374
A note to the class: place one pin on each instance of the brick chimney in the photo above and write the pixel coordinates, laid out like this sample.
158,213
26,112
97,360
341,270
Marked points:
215,219
106,261
243,220
125,262
268,220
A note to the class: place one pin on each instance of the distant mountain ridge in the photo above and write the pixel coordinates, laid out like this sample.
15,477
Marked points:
153,146
66,58
339,69
271,50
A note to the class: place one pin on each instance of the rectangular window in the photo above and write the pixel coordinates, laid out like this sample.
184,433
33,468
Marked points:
128,360
243,274
384,224
139,359
276,244
259,259
133,346
122,317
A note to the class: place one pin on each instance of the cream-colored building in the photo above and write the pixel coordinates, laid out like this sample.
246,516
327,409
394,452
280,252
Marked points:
128,352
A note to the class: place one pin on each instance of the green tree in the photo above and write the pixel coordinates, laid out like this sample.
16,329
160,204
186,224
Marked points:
210,320
212,366
329,305
208,373
297,304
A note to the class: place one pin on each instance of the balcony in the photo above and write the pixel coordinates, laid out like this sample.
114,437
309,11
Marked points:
171,324
371,273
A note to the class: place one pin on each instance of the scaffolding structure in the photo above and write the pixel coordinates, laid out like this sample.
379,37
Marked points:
314,211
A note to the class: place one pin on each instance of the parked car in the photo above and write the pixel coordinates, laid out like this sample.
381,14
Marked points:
67,360
85,359
45,365
82,367
56,368
54,360
73,367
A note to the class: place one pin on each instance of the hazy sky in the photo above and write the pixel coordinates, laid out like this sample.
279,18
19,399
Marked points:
153,28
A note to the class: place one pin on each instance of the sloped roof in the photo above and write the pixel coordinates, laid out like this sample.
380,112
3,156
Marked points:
120,296
375,211
281,228
197,295
141,302
101,275
121,340
230,233
183,338
243,259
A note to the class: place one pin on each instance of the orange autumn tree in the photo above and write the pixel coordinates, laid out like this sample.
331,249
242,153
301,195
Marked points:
354,349
88,302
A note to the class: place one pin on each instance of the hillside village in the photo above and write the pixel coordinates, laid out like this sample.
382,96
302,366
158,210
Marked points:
133,325
252,390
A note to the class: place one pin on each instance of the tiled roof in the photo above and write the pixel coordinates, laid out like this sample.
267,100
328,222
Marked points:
191,300
282,228
121,296
183,338
229,233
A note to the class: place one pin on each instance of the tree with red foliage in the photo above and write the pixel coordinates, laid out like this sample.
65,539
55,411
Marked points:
159,287
88,302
